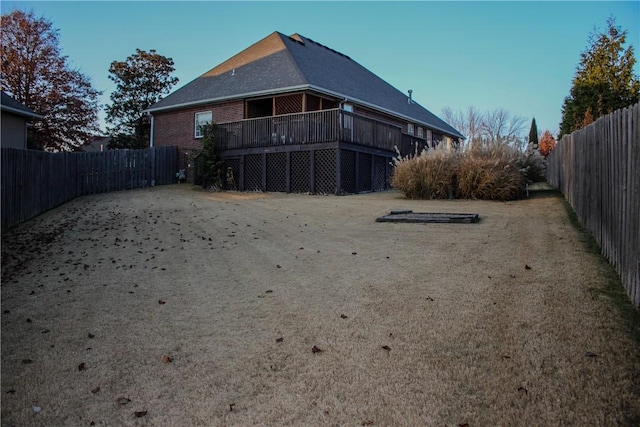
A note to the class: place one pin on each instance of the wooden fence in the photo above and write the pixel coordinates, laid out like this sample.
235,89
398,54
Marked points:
35,181
598,170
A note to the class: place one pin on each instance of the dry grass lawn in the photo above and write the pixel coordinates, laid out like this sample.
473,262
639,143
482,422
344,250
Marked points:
177,307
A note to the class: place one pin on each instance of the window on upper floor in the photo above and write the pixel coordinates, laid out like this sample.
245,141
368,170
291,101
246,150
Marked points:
201,119
420,132
410,129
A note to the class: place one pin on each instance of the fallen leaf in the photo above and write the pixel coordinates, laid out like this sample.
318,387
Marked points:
344,316
46,331
590,354
122,401
278,266
231,405
386,347
12,391
354,253
140,414
527,267
512,276
463,425
82,367
166,359
26,361
161,302
91,335
95,390
506,357
315,349
429,299
367,423
279,339
522,389
268,291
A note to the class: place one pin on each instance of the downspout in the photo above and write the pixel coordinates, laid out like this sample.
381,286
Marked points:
151,144
340,121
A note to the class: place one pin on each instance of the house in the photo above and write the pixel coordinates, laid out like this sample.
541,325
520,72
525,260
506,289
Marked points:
294,115
14,122
97,143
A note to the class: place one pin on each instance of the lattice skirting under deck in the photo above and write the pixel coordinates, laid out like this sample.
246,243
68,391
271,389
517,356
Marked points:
321,171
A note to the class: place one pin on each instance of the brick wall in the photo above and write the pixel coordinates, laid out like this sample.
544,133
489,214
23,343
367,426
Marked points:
178,127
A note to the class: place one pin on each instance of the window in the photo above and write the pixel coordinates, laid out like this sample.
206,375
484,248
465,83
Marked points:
410,129
420,132
429,137
203,118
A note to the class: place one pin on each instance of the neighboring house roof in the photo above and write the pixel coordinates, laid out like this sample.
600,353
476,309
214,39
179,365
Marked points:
280,63
12,106
98,143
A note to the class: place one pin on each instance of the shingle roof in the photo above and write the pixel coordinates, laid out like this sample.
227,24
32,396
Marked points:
280,63
11,105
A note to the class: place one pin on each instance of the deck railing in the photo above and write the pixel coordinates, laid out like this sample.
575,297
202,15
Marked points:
308,128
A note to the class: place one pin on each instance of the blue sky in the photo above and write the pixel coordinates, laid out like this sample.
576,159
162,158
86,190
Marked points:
520,56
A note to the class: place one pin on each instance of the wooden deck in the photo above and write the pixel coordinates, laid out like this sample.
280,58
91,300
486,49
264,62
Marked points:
321,152
316,127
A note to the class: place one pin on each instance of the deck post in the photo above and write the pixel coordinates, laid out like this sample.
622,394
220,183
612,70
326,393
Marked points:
338,171
373,158
264,171
312,171
241,174
357,171
287,185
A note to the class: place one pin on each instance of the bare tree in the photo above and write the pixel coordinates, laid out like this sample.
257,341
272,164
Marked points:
467,122
494,126
499,126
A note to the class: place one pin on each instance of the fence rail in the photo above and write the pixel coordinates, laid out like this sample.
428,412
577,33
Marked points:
598,170
307,128
35,181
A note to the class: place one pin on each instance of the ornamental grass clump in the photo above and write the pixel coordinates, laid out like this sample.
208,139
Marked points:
490,172
428,175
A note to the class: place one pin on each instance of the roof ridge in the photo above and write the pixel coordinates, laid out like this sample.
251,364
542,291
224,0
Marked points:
320,44
293,60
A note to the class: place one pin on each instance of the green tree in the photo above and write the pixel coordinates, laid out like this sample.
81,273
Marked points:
35,73
141,81
533,133
604,80
208,164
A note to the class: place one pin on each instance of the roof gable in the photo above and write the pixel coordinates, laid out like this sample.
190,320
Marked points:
280,63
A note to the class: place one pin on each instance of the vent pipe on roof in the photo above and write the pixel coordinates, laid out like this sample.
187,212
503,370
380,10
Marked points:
410,100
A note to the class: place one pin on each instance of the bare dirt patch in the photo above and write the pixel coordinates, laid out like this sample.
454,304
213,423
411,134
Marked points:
171,306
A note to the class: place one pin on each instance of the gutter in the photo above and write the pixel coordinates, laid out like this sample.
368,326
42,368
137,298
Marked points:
21,112
302,87
225,98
